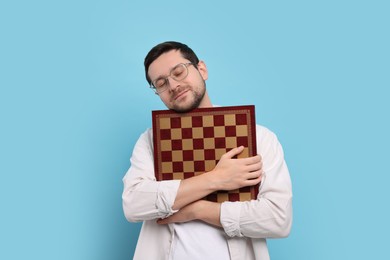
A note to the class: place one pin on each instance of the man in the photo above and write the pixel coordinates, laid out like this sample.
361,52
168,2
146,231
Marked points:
178,224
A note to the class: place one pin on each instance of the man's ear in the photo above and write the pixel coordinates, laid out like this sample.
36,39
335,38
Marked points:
203,70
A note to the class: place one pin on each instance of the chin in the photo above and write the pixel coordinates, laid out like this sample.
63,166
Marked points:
183,109
188,104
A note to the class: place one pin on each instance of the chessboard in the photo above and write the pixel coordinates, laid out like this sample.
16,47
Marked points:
192,143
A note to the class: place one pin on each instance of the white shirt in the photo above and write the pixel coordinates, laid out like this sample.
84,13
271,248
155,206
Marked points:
197,240
246,224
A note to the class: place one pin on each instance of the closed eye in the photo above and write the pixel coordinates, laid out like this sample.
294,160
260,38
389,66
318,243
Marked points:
160,83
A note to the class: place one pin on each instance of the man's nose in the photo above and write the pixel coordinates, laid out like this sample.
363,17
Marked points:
172,83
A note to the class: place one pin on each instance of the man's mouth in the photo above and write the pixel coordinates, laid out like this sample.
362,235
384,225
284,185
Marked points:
180,94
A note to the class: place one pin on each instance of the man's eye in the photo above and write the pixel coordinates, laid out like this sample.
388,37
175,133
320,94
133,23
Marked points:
178,72
160,83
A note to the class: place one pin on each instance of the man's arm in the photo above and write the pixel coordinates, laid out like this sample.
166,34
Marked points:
229,174
144,198
270,216
204,210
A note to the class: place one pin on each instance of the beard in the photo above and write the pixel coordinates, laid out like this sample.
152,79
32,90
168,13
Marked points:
197,97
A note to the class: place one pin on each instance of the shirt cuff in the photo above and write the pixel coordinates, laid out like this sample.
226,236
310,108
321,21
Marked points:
230,218
166,195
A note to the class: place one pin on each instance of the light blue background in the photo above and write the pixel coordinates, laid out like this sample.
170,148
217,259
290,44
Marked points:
74,100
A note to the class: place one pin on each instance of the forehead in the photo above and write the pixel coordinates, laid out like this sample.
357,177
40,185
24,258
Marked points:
164,63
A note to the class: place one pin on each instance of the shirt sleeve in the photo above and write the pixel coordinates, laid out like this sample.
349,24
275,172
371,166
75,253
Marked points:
143,197
270,216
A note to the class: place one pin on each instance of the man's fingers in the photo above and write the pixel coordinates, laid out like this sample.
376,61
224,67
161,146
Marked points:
233,152
255,166
163,221
255,178
254,174
251,160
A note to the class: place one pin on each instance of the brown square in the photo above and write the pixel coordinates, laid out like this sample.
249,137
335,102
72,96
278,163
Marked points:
177,156
208,121
198,155
166,145
165,123
245,196
209,143
231,142
186,122
244,153
219,131
197,132
209,165
166,167
242,130
178,175
188,167
230,119
219,153
176,134
222,197
188,144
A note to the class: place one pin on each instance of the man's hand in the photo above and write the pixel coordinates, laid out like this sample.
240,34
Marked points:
228,174
199,210
231,174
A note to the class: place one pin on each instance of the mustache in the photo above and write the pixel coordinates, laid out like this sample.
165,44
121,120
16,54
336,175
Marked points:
178,91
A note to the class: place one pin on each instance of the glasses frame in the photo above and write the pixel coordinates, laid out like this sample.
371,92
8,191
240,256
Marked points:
158,92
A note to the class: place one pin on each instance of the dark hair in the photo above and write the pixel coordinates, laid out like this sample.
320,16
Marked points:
164,47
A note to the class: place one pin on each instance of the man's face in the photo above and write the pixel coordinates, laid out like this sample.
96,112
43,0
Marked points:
186,94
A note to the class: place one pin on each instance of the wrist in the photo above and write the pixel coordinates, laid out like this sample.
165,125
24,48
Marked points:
212,180
208,211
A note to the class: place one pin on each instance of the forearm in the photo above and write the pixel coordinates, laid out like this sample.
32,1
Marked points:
262,218
145,199
193,189
203,210
210,213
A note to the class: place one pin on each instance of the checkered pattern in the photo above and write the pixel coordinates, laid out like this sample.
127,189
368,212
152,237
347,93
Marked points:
191,144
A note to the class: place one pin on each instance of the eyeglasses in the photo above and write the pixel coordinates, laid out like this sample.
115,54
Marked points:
178,73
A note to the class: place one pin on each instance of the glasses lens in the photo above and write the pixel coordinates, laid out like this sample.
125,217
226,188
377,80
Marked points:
179,72
160,84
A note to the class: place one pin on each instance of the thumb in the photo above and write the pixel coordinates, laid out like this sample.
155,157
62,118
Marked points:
162,221
233,152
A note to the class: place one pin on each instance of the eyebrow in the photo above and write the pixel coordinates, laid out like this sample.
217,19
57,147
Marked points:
158,78
165,76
